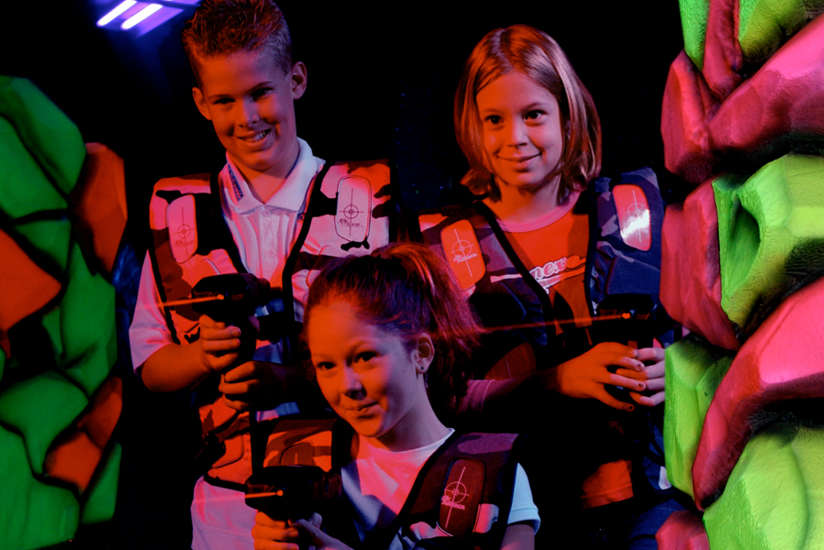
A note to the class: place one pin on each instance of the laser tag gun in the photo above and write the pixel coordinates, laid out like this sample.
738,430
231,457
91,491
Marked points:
234,298
292,492
632,319
300,474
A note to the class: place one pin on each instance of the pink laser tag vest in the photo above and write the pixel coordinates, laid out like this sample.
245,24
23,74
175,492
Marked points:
349,212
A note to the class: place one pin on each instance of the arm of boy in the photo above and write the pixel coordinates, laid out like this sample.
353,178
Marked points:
177,366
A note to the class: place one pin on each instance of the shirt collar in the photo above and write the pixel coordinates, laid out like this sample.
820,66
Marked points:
290,196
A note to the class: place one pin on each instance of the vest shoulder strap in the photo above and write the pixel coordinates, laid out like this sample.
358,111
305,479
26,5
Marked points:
463,493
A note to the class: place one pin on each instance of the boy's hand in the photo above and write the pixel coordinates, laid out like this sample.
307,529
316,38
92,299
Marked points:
655,370
253,383
219,344
587,375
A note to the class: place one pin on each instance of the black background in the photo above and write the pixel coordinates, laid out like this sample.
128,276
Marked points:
381,79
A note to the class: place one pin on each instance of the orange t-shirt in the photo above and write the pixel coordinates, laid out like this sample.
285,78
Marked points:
554,250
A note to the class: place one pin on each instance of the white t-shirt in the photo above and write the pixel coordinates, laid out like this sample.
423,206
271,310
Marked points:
378,482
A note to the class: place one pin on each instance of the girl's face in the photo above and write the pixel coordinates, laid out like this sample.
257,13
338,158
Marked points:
367,375
522,135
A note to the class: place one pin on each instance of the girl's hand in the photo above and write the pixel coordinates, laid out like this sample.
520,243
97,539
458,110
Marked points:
218,344
655,371
587,375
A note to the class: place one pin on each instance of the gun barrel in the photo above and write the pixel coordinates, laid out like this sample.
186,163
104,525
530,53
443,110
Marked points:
189,301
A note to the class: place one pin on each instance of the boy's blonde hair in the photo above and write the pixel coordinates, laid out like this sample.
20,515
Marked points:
222,27
535,54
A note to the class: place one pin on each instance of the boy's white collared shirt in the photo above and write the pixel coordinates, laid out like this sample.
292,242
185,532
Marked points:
265,232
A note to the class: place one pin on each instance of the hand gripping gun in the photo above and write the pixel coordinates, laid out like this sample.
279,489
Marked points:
251,304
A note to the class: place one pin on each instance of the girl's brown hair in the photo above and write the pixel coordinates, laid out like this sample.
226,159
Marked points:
407,289
535,54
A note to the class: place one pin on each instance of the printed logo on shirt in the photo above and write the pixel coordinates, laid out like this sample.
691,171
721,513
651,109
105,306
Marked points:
354,208
463,253
555,271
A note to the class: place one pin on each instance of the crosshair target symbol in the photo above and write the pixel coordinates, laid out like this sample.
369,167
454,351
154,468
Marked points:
462,249
455,492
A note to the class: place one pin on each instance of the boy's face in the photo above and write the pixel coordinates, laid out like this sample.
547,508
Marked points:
250,101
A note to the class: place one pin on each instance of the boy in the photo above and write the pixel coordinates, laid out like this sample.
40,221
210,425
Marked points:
275,211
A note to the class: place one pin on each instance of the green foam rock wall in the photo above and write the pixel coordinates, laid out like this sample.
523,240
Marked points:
39,408
774,499
56,509
87,324
49,237
770,232
694,371
100,502
22,178
694,26
51,138
764,25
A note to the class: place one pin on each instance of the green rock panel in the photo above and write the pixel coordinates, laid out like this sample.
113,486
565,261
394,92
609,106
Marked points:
24,188
771,232
87,321
774,499
51,237
764,25
694,26
32,514
39,408
50,137
102,493
694,371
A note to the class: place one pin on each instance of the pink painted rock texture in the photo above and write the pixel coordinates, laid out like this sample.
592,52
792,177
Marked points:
683,530
687,106
690,269
782,102
99,205
783,360
785,96
723,59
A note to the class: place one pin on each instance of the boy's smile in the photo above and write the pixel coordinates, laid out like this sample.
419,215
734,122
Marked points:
250,101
